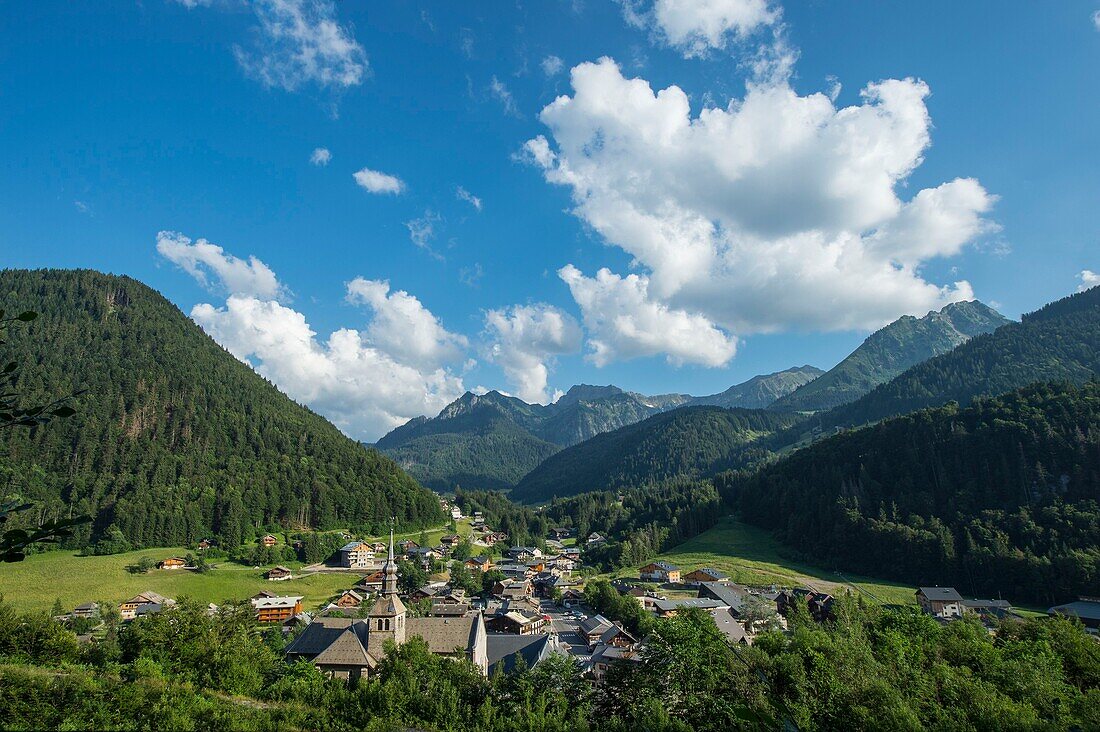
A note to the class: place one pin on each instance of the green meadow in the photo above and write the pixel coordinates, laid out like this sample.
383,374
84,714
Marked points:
751,556
39,580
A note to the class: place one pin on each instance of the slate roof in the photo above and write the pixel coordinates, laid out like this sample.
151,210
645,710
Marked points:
266,603
1084,609
730,595
595,624
733,630
319,635
345,650
711,571
706,603
504,649
941,594
444,635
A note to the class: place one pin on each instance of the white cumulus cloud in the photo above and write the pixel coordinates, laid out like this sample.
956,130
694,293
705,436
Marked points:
302,42
320,157
694,27
1089,279
400,363
215,269
524,340
778,211
378,182
623,322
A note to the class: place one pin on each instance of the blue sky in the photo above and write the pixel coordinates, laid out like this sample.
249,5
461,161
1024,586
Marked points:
738,240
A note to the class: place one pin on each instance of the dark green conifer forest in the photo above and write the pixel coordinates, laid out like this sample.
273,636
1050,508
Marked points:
174,439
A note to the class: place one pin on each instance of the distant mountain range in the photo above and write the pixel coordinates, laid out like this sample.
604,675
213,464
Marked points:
492,440
890,351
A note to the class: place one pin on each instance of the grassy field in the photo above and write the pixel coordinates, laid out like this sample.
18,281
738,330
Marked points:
36,582
752,556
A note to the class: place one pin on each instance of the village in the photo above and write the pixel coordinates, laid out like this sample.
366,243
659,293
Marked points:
499,609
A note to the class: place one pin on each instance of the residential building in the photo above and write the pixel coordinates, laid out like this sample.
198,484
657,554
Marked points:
128,609
942,602
669,608
276,609
171,563
730,626
88,610
278,574
357,555
604,657
456,513
450,541
594,539
504,651
371,582
269,540
205,544
349,599
731,595
480,564
524,553
516,623
988,609
661,572
1085,609
705,574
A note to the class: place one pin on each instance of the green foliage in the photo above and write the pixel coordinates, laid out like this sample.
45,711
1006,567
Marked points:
1001,498
890,351
869,669
410,576
606,600
690,442
644,522
174,439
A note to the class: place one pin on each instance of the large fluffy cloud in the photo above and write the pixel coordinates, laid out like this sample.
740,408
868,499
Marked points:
1089,279
400,364
302,42
524,339
779,211
623,322
694,27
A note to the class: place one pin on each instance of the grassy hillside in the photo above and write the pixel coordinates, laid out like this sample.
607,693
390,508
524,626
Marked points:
689,442
175,439
752,556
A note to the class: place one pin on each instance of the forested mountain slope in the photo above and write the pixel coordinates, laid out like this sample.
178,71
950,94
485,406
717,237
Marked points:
1060,342
890,351
684,443
1001,498
175,439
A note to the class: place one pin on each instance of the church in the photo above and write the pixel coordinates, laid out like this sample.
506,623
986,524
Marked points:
350,648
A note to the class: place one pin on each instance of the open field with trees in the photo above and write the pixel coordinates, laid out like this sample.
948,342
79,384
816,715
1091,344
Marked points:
752,556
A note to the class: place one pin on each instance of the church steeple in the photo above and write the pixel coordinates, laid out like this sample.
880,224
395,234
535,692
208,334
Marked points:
389,572
387,615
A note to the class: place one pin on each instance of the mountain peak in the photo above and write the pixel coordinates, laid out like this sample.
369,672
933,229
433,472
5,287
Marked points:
587,393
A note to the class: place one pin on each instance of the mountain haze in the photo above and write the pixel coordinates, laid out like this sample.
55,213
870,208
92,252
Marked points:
175,439
761,391
492,440
690,442
890,351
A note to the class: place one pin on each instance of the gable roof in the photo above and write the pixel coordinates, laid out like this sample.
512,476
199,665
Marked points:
354,546
268,603
319,635
1084,609
444,635
731,595
733,630
346,649
706,603
504,650
942,594
711,572
148,597
595,624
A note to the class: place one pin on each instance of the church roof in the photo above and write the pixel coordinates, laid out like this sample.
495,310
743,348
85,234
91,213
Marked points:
319,635
444,635
345,650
